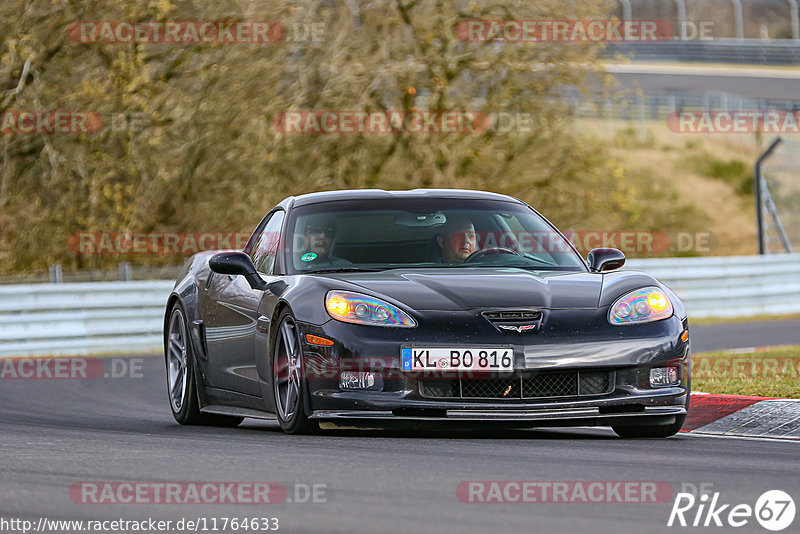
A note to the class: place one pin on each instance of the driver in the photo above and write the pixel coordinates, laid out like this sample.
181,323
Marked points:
458,239
318,234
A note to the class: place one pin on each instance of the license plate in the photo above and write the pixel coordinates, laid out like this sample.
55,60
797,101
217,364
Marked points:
457,359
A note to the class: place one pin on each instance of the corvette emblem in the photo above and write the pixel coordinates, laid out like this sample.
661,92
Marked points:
520,328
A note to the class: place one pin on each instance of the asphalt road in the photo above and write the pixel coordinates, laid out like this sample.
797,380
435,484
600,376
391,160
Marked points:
56,433
753,82
744,334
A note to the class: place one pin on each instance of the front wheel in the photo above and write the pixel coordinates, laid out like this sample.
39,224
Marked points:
649,431
288,384
181,383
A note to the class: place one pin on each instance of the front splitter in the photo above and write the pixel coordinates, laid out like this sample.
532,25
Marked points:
506,415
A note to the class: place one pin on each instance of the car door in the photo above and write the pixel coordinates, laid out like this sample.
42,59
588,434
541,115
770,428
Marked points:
231,328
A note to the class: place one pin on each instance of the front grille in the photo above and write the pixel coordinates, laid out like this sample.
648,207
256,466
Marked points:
498,388
444,388
522,386
551,385
594,382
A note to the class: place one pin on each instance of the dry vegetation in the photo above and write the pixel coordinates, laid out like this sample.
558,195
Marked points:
711,177
207,158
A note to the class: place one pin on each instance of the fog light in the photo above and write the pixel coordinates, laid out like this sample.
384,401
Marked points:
360,380
664,376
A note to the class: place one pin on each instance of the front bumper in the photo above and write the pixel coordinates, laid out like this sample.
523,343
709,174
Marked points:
565,343
660,406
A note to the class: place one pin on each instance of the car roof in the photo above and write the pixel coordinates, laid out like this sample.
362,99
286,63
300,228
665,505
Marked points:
376,194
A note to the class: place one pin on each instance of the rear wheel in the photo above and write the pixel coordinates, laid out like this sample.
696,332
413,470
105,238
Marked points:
649,431
288,384
181,383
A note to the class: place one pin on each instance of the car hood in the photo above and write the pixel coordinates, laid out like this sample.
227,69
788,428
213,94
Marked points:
467,288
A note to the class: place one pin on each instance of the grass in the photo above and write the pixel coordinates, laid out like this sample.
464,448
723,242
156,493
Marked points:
734,172
772,372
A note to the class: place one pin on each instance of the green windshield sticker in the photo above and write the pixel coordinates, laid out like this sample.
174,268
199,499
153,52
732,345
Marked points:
308,256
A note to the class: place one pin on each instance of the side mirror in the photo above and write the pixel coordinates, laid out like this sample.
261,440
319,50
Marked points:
237,263
605,259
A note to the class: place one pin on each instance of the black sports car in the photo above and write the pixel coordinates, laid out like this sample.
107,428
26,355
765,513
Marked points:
435,305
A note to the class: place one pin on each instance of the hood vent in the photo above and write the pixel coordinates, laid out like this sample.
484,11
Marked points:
515,321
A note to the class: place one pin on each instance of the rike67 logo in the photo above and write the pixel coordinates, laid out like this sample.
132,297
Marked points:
774,510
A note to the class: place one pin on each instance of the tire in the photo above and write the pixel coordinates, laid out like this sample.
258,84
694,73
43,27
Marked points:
649,431
288,384
181,382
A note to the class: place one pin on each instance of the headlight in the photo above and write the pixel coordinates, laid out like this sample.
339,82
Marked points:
640,306
363,309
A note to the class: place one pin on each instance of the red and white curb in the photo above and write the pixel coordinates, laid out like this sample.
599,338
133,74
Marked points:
743,416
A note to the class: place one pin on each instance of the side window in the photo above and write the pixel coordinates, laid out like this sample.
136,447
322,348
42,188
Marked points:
266,248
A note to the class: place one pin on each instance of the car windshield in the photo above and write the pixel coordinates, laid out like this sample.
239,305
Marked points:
366,235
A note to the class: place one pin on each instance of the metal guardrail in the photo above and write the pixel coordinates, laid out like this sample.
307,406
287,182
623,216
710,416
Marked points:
660,106
730,286
125,272
750,51
127,317
82,319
